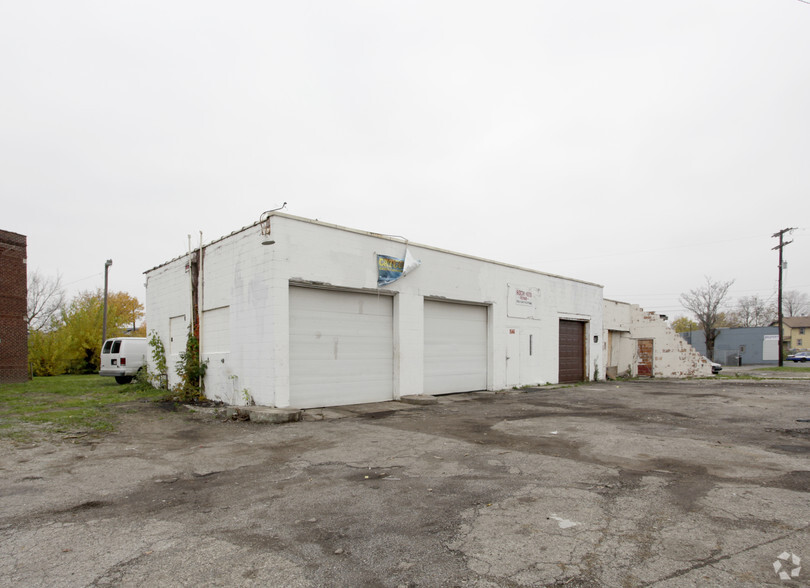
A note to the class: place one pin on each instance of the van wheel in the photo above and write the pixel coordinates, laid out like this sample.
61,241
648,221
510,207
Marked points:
123,379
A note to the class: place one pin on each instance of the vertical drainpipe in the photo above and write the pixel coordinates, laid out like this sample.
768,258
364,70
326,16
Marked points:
191,284
200,300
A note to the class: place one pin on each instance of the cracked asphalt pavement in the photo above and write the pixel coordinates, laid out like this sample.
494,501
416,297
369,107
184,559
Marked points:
641,483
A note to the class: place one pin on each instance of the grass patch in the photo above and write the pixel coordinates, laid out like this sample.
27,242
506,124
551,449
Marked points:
763,373
785,368
64,404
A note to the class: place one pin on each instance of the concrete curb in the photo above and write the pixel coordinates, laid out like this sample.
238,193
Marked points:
419,399
264,414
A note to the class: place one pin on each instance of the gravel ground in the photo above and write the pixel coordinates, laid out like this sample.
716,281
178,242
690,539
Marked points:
640,483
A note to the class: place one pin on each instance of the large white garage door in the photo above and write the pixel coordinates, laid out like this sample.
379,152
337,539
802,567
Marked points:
455,347
341,348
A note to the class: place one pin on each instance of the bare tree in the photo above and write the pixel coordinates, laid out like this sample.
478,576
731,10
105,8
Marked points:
45,297
795,303
705,303
753,311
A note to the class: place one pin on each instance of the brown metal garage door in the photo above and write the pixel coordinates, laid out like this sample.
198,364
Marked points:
572,351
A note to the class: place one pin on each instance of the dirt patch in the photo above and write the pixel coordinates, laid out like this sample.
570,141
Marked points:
796,480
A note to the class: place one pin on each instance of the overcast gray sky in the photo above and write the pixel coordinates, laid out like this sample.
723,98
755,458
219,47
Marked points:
638,144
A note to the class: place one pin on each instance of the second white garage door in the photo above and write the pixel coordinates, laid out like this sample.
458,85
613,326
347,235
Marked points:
455,347
341,348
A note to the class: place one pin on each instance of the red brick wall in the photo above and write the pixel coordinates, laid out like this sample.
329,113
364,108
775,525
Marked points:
13,306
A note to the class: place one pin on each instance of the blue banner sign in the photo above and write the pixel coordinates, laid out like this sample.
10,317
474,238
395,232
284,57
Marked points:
389,269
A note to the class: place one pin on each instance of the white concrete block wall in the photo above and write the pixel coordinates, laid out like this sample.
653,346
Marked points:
236,273
617,316
616,337
626,348
168,295
253,281
409,345
218,265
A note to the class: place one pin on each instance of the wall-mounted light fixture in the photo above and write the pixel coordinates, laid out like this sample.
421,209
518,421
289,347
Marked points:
264,220
596,338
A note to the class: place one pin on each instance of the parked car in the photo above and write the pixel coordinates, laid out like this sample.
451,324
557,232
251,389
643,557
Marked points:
799,356
716,367
122,357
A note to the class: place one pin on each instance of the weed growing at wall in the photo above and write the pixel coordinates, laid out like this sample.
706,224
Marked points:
158,353
160,377
191,371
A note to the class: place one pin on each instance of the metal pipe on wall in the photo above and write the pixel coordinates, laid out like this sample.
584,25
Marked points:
200,307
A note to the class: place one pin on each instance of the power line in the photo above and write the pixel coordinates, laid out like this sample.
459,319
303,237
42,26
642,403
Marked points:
637,251
655,250
82,279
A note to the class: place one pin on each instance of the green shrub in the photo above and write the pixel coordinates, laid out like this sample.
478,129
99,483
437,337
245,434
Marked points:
191,371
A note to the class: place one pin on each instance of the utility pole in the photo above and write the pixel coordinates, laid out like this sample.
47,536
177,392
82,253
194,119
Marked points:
107,265
782,243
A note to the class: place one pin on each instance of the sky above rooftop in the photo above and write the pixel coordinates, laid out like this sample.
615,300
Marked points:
640,145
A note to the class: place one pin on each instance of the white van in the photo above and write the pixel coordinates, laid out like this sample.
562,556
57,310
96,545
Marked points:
122,357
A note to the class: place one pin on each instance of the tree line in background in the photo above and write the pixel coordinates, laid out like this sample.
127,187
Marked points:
65,337
751,311
708,305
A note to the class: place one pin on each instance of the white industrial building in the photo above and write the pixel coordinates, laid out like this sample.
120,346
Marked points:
291,314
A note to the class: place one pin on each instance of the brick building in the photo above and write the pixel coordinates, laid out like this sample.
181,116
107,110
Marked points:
13,307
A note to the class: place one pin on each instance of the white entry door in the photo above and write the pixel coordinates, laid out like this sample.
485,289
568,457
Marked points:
513,358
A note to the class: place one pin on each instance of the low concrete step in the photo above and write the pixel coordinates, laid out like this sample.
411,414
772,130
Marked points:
419,399
266,414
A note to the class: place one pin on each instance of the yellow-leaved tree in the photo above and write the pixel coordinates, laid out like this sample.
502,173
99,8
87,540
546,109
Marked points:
72,343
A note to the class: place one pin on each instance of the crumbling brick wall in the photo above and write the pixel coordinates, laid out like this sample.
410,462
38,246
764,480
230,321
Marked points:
673,357
13,306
